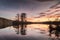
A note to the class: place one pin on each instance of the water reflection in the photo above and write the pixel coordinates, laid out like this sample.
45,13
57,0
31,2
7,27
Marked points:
33,31
22,29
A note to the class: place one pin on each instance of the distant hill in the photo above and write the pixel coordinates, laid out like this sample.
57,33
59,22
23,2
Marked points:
5,22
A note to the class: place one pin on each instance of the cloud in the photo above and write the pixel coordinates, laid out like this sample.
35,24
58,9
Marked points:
31,7
13,3
55,5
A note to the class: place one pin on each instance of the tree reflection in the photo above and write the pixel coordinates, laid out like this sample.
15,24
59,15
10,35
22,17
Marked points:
20,29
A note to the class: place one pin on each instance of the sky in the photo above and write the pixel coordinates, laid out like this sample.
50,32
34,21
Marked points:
9,8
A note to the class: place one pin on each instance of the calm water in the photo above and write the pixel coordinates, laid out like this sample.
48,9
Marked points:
34,32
